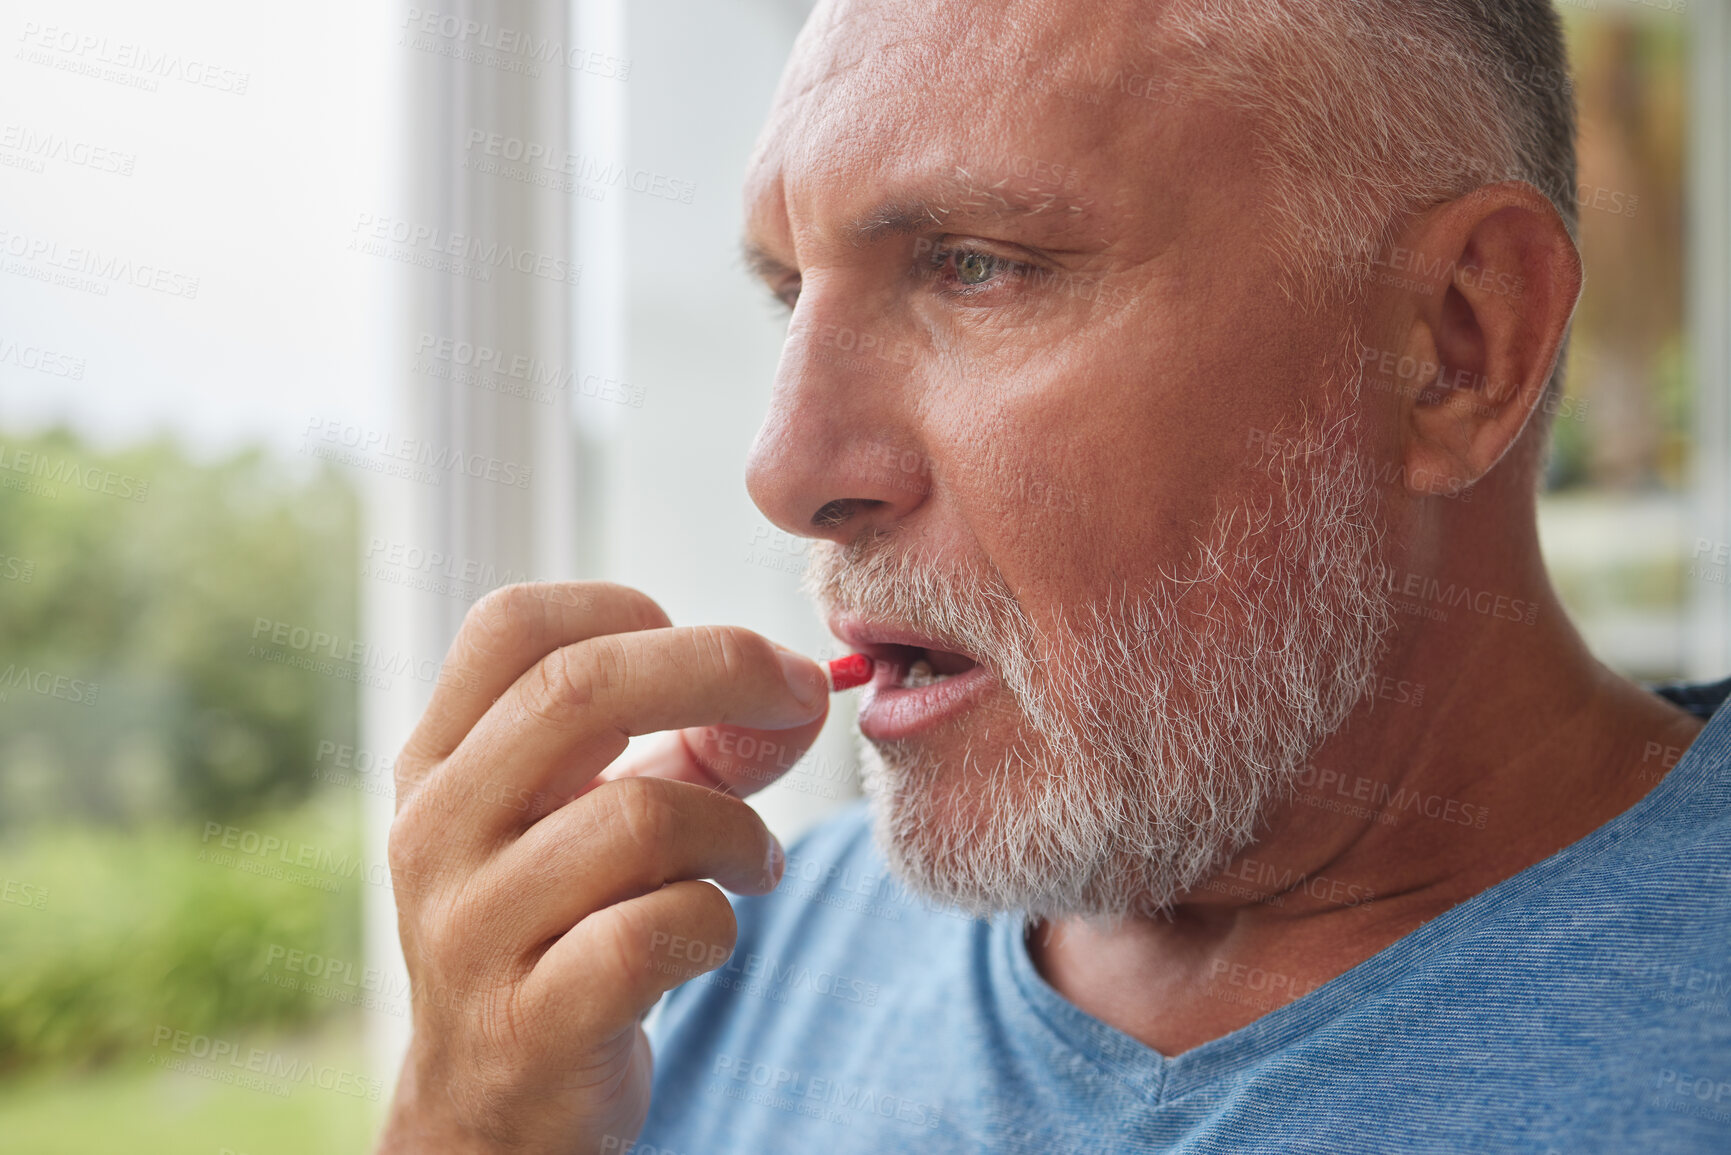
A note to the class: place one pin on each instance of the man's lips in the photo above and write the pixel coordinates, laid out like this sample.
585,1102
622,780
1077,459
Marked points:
918,680
900,647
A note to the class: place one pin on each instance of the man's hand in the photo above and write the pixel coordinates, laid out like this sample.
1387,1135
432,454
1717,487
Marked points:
544,906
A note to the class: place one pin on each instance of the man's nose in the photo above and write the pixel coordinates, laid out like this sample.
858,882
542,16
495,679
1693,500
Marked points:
839,453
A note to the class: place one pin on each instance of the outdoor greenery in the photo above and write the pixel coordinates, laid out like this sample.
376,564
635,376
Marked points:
134,1107
128,932
135,711
148,605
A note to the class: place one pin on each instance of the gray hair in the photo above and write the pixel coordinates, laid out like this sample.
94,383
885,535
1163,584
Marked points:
1367,111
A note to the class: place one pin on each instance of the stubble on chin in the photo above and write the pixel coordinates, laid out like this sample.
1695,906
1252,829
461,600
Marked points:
1148,733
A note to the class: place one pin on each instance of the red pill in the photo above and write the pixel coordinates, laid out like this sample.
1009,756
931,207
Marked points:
847,672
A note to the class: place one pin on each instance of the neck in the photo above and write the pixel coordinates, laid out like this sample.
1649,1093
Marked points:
1493,739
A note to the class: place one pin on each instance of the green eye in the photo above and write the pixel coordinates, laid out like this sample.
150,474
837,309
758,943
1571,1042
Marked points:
974,268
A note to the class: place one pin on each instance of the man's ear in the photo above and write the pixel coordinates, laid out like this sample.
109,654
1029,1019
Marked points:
1490,282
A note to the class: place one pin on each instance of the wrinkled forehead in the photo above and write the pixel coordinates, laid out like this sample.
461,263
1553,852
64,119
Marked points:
1016,93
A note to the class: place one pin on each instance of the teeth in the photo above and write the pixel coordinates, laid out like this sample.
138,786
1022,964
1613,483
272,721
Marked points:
921,674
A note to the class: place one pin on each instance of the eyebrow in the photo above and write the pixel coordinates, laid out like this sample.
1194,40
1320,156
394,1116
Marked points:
962,198
955,199
757,259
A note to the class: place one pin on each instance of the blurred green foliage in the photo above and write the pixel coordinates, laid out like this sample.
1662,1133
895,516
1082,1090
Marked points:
108,935
133,710
153,602
161,1113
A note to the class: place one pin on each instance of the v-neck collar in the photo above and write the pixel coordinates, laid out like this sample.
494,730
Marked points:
1162,1079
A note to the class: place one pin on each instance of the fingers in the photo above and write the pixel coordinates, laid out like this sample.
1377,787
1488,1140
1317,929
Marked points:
611,967
623,840
571,714
507,632
745,760
735,759
543,688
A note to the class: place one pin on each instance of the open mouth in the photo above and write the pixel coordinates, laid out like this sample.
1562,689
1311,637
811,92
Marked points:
916,667
916,685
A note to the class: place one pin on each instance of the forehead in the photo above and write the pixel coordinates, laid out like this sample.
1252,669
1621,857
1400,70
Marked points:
1025,101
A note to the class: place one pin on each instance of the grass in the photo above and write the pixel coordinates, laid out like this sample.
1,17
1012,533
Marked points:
120,932
144,996
142,1109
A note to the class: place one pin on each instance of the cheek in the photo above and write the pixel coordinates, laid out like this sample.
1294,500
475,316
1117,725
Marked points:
1073,492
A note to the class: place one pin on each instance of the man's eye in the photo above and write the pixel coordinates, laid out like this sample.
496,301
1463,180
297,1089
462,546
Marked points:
972,268
975,268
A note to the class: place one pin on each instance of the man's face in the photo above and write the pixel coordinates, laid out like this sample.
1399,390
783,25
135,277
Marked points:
1089,480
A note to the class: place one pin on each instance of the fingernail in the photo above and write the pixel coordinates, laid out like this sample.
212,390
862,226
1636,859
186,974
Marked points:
805,678
777,860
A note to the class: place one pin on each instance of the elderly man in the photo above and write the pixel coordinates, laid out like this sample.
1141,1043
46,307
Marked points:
1166,384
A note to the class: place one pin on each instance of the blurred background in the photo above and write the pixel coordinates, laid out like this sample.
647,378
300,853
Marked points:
316,324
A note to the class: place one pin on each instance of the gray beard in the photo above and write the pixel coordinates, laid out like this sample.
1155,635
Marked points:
1156,727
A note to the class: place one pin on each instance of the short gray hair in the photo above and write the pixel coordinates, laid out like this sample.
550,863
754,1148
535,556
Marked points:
1369,110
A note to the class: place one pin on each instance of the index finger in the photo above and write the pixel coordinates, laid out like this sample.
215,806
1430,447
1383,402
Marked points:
507,632
573,712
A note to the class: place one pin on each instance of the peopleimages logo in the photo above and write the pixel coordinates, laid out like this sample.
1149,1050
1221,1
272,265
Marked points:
467,39
1386,798
43,255
109,59
798,1091
41,147
1433,598
226,1061
1430,272
24,894
64,471
40,360
560,161
311,644
388,557
757,973
385,447
373,231
47,684
539,378
1280,881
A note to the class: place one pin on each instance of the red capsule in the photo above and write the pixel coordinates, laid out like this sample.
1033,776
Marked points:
847,672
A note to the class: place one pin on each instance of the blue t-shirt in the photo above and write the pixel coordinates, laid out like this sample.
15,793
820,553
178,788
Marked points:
1579,1006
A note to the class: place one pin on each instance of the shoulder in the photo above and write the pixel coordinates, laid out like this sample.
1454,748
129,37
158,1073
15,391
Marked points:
1680,836
1701,699
1647,898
